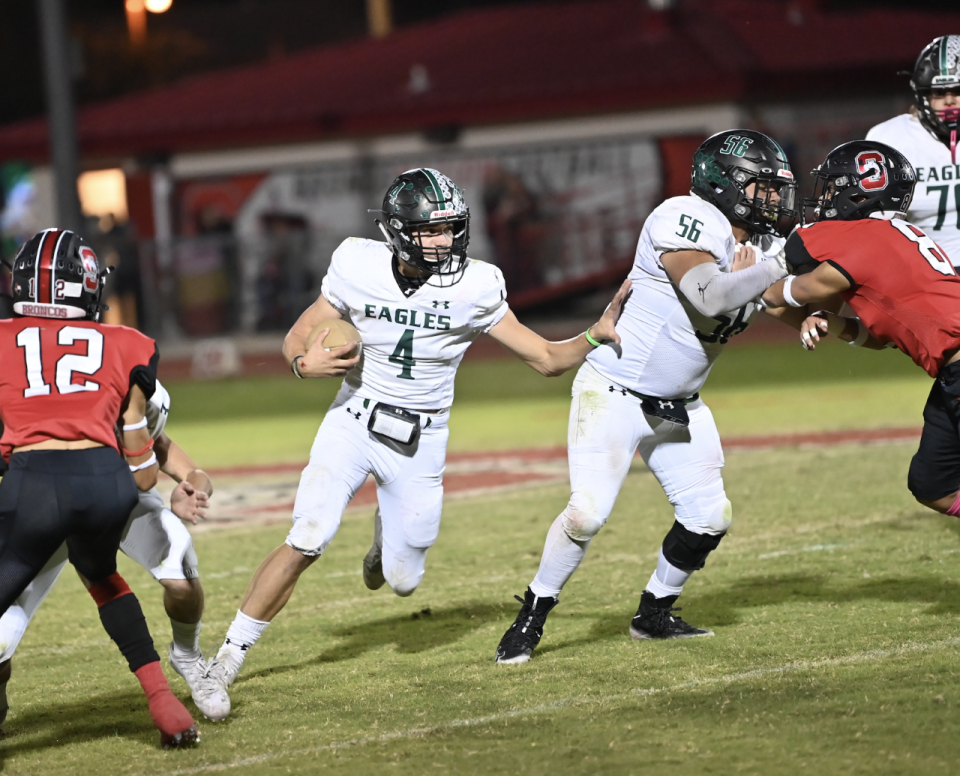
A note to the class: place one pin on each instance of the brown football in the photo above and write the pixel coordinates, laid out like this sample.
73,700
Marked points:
341,332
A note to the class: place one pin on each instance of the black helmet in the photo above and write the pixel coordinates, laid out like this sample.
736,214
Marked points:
424,197
726,163
859,178
938,67
56,276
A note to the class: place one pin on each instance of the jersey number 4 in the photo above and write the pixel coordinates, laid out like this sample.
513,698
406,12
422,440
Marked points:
89,364
927,247
403,355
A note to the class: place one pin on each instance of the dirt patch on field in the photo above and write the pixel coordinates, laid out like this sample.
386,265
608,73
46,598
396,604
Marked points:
265,494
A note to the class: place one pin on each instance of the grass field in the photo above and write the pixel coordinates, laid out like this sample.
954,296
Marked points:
834,601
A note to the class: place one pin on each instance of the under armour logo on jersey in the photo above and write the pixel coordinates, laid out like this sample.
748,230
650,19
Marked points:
436,304
665,405
623,391
355,414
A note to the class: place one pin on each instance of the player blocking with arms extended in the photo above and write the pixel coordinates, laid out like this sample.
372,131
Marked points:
696,283
67,382
905,292
418,302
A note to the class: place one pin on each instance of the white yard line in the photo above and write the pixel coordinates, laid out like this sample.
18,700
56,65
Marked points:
870,656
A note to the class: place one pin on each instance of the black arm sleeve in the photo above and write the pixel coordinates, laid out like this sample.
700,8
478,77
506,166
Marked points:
799,260
145,375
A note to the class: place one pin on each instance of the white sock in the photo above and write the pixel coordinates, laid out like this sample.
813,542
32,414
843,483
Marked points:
242,634
186,640
561,557
667,579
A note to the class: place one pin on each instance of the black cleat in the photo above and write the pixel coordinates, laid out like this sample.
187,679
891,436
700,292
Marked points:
654,620
181,740
521,639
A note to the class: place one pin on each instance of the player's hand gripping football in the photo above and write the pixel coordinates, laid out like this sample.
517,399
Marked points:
320,362
605,329
189,503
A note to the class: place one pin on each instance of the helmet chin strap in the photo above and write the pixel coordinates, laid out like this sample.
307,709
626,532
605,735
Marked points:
951,118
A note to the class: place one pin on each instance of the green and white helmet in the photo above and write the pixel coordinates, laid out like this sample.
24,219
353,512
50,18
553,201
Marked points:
425,197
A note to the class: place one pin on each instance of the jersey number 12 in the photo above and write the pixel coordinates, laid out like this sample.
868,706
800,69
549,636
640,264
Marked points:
89,364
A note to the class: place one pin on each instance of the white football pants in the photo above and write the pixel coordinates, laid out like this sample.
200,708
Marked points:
409,488
606,427
155,538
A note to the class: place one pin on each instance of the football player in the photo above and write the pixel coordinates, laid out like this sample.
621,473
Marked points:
155,538
696,284
905,292
927,136
66,383
418,303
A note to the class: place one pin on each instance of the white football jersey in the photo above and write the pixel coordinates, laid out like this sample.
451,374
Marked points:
936,198
412,345
667,346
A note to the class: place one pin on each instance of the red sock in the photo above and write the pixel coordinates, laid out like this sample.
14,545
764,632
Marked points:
169,715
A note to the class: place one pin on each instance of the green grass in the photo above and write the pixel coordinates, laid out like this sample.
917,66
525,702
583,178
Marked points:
833,599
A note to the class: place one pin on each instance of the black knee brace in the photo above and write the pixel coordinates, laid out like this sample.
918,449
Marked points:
686,550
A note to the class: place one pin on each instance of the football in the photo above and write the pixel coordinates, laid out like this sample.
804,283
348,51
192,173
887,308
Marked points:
341,332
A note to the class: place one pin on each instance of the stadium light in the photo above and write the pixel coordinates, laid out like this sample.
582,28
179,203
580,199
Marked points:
137,17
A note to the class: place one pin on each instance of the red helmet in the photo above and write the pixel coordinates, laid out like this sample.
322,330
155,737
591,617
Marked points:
55,275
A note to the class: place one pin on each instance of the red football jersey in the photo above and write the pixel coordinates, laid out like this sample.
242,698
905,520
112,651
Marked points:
68,379
903,287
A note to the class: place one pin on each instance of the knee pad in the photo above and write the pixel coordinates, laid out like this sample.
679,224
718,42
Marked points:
720,517
581,524
686,550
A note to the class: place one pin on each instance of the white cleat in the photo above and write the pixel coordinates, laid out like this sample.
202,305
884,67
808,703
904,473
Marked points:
209,694
373,562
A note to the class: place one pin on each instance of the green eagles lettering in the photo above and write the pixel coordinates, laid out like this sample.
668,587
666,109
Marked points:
404,317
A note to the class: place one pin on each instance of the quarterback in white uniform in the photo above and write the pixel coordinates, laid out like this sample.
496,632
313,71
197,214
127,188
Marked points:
157,539
927,136
696,283
418,303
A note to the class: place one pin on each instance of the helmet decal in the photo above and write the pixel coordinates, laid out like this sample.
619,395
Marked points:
874,163
949,65
91,269
736,145
707,172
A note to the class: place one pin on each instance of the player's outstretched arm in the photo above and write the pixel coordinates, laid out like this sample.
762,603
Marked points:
136,444
317,362
814,289
191,498
555,358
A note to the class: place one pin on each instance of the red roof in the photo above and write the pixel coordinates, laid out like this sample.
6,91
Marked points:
509,64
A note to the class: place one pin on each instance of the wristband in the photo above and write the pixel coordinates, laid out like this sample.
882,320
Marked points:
863,334
135,426
787,296
591,340
295,368
146,464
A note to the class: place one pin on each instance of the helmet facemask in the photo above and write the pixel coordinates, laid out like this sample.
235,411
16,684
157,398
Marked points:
772,208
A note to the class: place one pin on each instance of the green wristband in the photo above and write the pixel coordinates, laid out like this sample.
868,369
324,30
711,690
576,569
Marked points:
591,340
